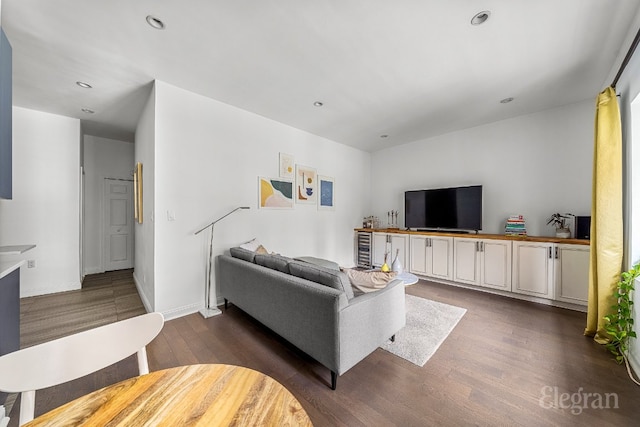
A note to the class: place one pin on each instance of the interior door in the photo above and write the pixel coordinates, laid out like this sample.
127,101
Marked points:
118,224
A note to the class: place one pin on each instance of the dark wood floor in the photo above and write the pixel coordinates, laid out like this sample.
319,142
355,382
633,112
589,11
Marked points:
505,363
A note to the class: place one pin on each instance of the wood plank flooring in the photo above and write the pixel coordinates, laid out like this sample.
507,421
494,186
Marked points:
506,363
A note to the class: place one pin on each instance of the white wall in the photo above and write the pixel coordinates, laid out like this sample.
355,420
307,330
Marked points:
45,209
532,165
144,259
103,158
208,156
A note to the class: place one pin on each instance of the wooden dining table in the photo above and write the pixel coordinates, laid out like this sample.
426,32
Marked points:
193,395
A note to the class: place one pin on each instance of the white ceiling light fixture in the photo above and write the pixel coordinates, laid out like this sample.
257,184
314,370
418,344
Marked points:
318,104
88,111
155,22
480,17
84,85
506,100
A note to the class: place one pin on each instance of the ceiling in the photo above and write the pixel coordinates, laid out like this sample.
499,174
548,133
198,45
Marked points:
409,69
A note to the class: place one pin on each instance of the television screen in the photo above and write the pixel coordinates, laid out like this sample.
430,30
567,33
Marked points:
458,208
414,209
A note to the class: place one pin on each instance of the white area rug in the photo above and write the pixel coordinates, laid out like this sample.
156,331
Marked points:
428,325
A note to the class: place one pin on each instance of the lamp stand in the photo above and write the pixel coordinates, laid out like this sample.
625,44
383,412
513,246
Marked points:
209,311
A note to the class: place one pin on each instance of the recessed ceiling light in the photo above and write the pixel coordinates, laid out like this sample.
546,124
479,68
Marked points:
155,22
384,136
480,17
506,100
318,104
88,111
84,85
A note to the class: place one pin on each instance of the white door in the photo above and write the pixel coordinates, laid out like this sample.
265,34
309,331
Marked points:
398,244
418,255
379,248
533,273
441,257
496,264
118,224
465,260
572,273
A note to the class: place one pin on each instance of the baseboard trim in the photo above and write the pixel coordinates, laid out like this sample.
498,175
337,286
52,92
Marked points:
514,295
93,270
51,290
174,313
147,305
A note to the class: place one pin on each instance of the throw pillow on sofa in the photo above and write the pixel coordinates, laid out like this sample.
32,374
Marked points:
369,281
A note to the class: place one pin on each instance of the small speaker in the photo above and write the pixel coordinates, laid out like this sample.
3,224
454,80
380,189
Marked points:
583,227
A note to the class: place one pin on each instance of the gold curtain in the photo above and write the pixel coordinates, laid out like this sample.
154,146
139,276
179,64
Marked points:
606,214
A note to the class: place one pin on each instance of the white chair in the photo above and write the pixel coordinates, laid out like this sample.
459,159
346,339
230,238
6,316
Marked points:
74,356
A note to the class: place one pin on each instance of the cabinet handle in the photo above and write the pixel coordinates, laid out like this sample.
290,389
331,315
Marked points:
556,253
477,246
549,252
481,246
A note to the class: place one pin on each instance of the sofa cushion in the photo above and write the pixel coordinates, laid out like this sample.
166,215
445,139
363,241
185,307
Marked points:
241,253
319,261
274,262
325,276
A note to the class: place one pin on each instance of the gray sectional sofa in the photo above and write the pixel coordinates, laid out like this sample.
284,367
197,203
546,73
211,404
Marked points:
312,306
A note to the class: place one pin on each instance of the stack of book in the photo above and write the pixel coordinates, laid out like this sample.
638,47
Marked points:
515,226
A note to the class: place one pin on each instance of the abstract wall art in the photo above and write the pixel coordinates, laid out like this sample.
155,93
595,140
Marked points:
306,185
326,193
275,193
286,166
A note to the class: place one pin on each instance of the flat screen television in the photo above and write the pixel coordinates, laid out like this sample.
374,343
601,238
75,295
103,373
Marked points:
455,209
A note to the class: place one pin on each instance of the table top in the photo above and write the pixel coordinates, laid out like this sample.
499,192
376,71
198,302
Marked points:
206,395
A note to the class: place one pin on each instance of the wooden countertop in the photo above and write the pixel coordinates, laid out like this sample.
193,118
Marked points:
545,239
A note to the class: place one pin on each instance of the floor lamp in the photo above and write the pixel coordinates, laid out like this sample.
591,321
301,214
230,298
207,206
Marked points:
208,311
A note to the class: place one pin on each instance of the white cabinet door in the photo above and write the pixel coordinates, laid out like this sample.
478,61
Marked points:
399,245
440,257
466,260
418,254
495,264
533,269
379,248
572,273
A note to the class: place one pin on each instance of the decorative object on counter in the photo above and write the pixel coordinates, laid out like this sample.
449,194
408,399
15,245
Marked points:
396,265
385,267
559,221
392,219
370,222
515,226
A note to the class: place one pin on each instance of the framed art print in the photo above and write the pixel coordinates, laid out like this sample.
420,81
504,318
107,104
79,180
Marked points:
306,185
275,193
326,193
286,166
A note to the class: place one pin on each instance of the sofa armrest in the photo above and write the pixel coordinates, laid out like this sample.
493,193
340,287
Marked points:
369,321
